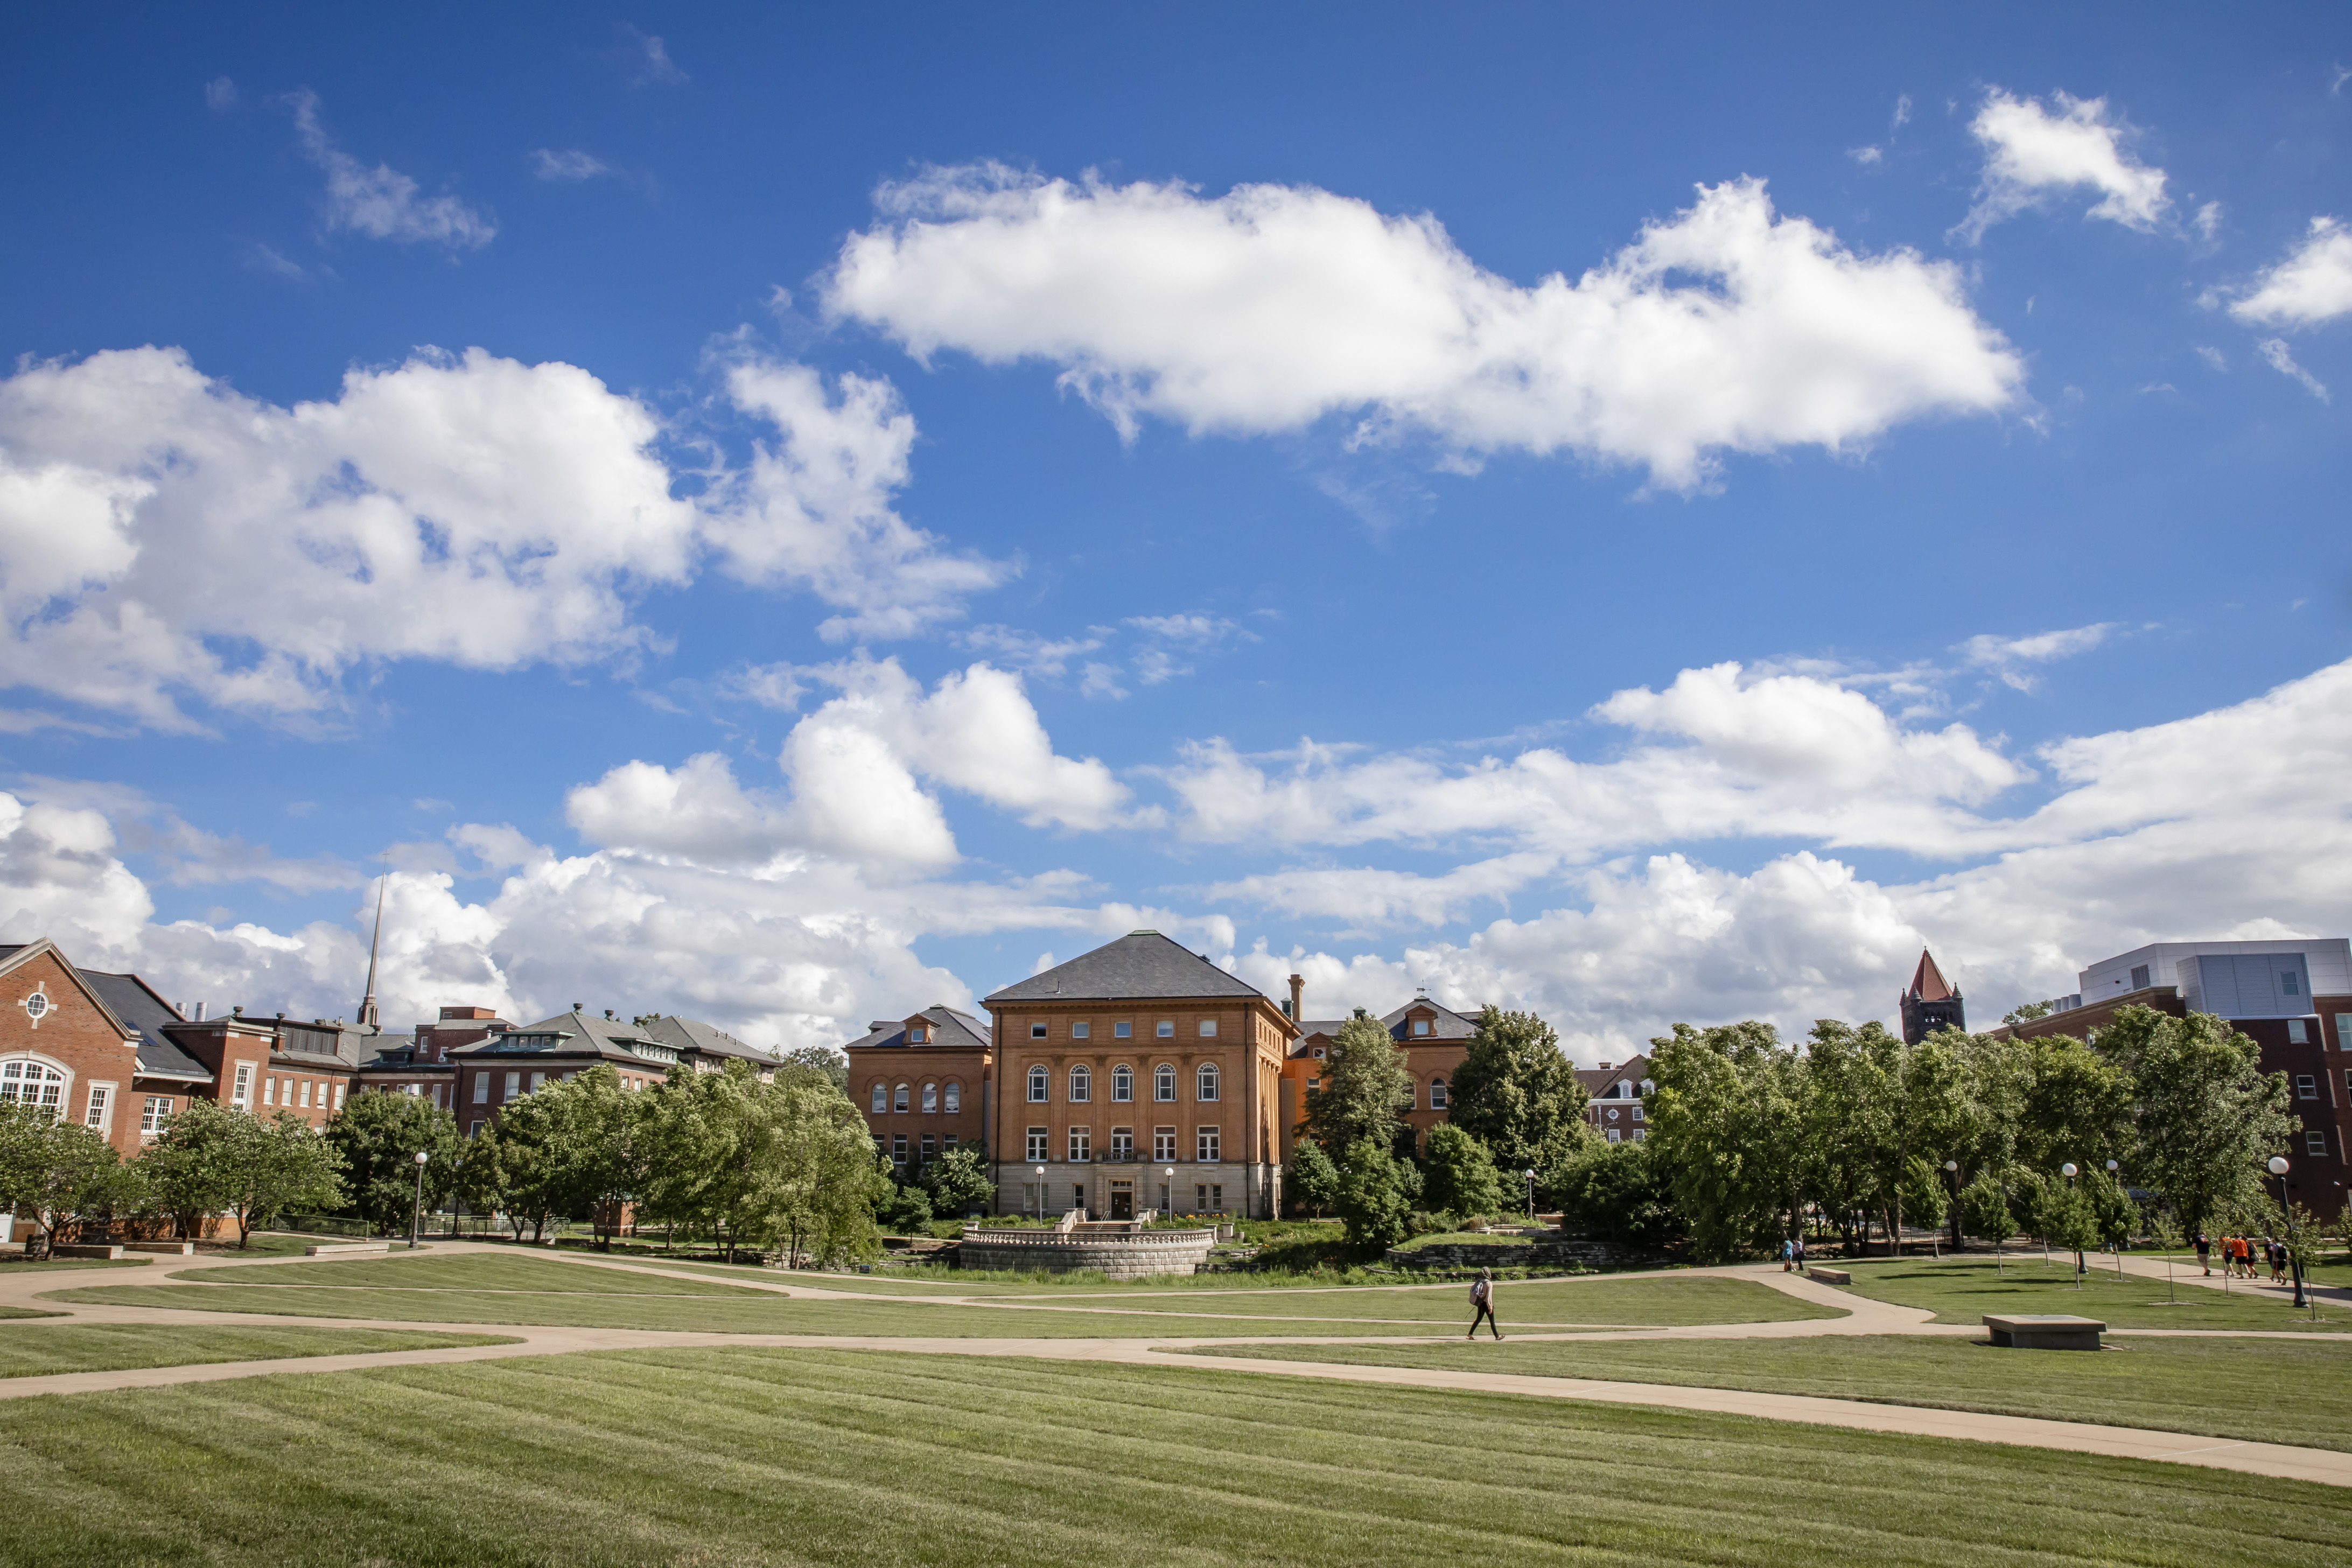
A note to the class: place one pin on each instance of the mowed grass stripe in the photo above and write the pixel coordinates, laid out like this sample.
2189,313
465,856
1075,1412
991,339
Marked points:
1962,1290
754,1456
2276,1391
117,1347
475,1271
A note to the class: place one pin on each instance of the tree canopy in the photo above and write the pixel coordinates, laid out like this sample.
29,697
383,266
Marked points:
1516,1092
1364,1085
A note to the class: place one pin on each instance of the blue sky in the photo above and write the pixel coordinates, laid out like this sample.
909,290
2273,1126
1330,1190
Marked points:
792,518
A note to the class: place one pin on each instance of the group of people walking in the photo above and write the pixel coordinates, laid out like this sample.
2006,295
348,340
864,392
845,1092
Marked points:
2242,1254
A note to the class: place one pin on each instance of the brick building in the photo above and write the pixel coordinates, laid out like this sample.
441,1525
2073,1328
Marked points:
1138,1076
503,1064
2293,996
922,1082
92,1047
1616,1089
1434,1039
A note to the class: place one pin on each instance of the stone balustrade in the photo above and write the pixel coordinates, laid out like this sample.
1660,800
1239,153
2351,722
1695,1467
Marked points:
1120,1249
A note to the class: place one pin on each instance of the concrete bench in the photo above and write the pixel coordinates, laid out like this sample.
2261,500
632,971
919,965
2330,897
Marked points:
336,1248
166,1248
1830,1275
2045,1331
75,1249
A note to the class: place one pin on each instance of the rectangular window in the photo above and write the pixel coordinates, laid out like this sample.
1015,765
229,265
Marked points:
898,1148
474,1129
955,1097
1637,1113
1037,1031
1122,1144
1078,1196
2140,977
1313,1084
306,1094
514,1085
1163,1144
1201,1198
931,1148
2306,1087
1614,1136
339,1097
1421,1026
951,1145
1208,1028
2343,1031
158,1111
538,1082
1165,1028
481,1089
1082,1145
1437,1095
1081,1031
2287,987
1037,1152
98,1095
1122,1030
2294,1033
241,1095
2316,1141
1206,1138
269,1091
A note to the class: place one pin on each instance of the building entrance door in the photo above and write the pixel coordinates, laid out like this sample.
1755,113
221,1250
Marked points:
1122,1200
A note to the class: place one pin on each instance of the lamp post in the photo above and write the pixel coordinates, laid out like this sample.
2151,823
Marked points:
2067,1170
1171,1190
2294,1257
416,1214
1952,1174
1531,1194
1041,1194
2112,1168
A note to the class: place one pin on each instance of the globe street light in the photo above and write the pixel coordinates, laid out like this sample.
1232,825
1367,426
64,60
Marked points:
2067,1170
2112,1168
1170,1190
416,1214
1952,1173
1041,1194
1531,1194
2294,1261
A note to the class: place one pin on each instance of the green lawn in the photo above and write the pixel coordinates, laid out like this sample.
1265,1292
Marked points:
826,1458
19,1268
1962,1290
2273,1391
113,1347
486,1288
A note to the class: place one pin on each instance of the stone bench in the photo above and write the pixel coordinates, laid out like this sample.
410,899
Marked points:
1830,1275
79,1250
2045,1331
166,1248
336,1248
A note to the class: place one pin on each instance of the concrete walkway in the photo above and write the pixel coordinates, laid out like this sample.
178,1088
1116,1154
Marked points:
1861,1316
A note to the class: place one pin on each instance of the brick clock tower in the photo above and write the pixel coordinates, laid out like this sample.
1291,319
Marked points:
1930,1004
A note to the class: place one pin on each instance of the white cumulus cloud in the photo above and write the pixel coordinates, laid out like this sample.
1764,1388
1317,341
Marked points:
2313,285
383,202
2033,155
1725,328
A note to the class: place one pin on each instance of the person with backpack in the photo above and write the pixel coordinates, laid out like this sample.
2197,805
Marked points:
2205,1254
1482,1297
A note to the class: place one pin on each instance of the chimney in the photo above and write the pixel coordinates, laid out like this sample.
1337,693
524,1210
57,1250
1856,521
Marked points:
1298,994
1605,1066
200,1013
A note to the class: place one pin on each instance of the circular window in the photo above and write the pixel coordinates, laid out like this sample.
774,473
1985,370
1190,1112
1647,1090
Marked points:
36,1007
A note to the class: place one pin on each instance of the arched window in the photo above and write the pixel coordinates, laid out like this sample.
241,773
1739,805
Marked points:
1437,1094
1122,1083
1163,1082
1206,1088
930,1098
1082,1084
1037,1086
28,1082
881,1097
955,1097
899,1101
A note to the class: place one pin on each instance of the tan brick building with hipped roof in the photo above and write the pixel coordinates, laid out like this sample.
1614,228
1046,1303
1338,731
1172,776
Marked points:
1139,1076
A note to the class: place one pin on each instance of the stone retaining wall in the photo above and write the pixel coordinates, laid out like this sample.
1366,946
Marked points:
1533,1255
1118,1256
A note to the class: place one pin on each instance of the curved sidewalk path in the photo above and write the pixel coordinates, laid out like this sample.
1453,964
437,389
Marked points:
2326,1467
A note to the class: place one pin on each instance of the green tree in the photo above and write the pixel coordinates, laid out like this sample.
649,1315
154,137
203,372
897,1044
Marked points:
1516,1092
539,1151
188,1164
819,1203
1618,1192
1984,1210
1373,1204
787,1162
1727,1119
1364,1083
378,1136
2114,1217
2208,1118
2027,1012
2069,1220
24,1133
958,1181
269,1168
2077,1105
1311,1180
74,1172
824,1060
1886,1102
1461,1178
907,1210
1925,1199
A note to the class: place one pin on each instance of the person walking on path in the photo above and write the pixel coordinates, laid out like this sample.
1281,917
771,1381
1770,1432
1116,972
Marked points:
1800,1252
1482,1297
2204,1254
1788,1255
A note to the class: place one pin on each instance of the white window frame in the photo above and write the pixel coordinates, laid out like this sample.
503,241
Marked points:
1039,1138
514,1084
339,1096
98,1109
954,1098
880,1099
2306,1086
1421,1026
2315,1142
150,1120
1122,1030
1165,1030
1082,1145
1037,1028
1163,1145
1163,1084
1081,1030
1122,1085
1437,1094
931,1101
1206,1083
899,1101
1041,1084
241,1087
1208,1144
1208,1028
2296,1033
481,1089
1082,1084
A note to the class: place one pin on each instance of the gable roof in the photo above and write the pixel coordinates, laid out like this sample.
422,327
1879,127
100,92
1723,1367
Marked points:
575,1034
954,1031
1928,982
1448,1024
18,954
694,1034
1142,965
145,1013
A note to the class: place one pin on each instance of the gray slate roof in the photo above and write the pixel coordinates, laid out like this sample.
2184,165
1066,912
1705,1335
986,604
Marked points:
1143,964
139,1008
952,1029
1448,1024
575,1034
693,1035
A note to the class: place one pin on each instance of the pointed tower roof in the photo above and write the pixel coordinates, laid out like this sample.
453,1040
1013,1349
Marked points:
368,1017
1928,982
